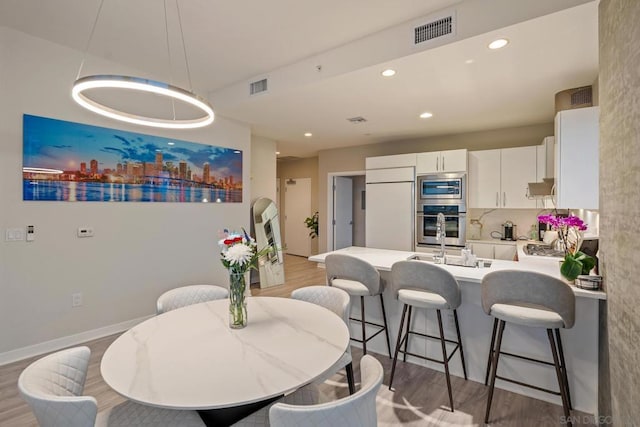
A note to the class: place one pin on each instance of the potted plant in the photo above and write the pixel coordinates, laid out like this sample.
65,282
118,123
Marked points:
312,224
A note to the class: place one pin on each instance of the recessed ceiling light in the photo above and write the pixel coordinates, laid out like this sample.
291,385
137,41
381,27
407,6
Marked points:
277,153
308,134
389,72
499,43
469,61
426,115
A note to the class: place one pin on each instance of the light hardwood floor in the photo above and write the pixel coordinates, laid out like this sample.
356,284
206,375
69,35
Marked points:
419,397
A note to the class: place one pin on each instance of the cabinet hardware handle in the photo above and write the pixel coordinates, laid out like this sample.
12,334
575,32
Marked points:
504,198
442,163
437,168
497,199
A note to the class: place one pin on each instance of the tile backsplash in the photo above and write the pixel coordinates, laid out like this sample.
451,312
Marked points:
524,219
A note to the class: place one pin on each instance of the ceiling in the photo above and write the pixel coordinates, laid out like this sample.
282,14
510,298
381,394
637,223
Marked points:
466,86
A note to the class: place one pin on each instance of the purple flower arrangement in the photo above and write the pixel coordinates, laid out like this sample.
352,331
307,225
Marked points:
570,230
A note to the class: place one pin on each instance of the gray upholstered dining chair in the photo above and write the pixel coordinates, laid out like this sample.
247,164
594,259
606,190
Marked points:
532,299
356,410
53,387
359,279
426,286
339,302
188,295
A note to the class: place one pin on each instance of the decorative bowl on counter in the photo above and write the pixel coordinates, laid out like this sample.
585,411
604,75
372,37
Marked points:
585,281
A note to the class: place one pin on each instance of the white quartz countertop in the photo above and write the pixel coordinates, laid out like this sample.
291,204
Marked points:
383,259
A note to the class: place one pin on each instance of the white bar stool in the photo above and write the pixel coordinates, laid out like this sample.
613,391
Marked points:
529,299
360,279
422,285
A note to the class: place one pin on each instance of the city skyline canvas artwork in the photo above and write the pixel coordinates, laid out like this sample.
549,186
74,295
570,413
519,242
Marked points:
67,161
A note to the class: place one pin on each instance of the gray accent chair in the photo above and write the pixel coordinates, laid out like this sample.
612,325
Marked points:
426,286
359,279
53,387
339,302
188,295
530,299
356,410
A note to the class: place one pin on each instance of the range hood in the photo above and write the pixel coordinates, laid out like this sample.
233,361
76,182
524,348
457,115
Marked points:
543,189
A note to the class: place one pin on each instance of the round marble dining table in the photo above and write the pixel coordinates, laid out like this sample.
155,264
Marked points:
189,358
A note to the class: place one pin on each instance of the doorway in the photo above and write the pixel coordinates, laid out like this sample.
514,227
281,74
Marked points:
346,210
297,206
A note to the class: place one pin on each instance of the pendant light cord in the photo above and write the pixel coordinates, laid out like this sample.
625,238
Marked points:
93,29
166,33
184,47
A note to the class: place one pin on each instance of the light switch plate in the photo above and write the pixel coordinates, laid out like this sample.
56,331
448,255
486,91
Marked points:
14,234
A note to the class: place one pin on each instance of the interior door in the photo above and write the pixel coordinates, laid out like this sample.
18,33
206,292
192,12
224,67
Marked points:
342,212
297,206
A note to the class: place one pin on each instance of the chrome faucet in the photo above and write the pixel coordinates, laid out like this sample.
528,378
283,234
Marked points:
441,235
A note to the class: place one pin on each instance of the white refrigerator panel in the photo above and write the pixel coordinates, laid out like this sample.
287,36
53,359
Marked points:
390,213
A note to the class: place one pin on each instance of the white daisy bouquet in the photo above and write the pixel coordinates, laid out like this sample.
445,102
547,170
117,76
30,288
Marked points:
239,252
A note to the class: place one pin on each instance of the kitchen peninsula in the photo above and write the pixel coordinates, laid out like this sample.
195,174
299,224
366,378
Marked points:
580,342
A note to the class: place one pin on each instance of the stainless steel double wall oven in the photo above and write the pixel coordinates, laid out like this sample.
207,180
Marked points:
446,193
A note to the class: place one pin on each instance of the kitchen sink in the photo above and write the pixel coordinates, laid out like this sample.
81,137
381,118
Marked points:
539,249
450,260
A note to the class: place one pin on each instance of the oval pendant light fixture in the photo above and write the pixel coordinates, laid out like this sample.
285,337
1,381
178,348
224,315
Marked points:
138,84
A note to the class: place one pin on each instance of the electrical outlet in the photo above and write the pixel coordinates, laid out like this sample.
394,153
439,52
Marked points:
76,300
85,231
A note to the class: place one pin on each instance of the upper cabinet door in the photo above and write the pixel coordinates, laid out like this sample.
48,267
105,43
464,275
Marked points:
428,162
484,179
394,161
442,161
518,169
453,161
577,157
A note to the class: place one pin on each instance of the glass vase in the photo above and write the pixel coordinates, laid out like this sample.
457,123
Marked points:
237,303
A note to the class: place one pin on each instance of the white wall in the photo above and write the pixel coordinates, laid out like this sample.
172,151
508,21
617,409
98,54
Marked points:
139,250
263,168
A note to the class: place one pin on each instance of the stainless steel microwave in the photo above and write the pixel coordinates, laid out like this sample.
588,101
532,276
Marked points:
442,188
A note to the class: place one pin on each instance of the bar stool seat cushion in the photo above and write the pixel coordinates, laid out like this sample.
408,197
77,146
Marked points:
423,299
352,287
529,315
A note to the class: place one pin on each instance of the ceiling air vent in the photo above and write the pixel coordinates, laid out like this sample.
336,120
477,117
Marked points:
579,97
432,30
258,87
357,120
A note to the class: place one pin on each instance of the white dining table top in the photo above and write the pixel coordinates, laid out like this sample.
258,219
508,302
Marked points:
189,358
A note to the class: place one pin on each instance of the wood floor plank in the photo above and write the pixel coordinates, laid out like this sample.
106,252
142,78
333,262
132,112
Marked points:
419,397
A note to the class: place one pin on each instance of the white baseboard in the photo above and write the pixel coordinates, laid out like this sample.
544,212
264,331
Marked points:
68,341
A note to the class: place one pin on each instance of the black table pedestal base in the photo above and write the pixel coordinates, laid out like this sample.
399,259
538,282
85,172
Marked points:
227,416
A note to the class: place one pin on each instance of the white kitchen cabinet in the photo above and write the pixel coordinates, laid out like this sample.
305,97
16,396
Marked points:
499,178
394,161
518,167
441,161
576,169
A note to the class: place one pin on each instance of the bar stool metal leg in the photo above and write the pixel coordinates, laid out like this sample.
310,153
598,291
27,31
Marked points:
399,343
464,368
406,343
364,325
491,349
386,327
351,378
564,368
444,357
556,362
494,369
